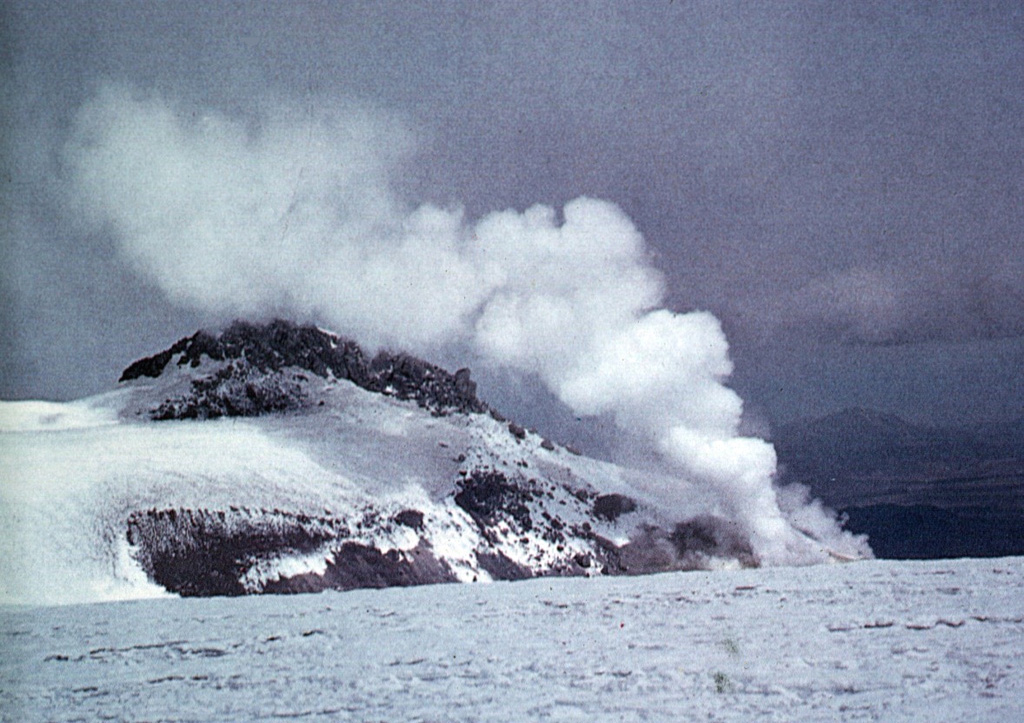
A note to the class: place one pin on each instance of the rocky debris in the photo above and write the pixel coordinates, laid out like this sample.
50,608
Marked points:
611,507
488,494
267,347
153,366
410,518
254,381
433,388
200,553
237,390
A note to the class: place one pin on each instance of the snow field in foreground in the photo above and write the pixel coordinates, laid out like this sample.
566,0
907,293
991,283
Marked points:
878,640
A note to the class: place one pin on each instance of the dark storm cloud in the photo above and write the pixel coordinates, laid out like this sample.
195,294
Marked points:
809,172
912,166
901,306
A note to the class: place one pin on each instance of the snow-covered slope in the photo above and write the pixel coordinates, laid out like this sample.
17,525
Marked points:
280,459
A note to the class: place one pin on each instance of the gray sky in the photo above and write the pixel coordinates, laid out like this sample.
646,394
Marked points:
842,184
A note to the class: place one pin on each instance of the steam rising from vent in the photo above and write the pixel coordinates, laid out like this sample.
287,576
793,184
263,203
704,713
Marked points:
298,214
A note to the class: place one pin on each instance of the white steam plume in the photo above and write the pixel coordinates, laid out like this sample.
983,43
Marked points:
298,213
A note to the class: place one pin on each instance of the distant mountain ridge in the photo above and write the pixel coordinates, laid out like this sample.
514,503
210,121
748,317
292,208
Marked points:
859,443
917,491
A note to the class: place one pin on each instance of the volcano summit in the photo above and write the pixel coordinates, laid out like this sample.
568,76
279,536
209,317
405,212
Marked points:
282,458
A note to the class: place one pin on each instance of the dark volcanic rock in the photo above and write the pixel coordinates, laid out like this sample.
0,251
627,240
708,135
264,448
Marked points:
356,565
239,551
611,507
500,567
237,390
407,377
253,382
410,518
191,348
486,494
204,552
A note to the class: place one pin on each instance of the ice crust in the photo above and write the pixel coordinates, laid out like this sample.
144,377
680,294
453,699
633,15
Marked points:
872,640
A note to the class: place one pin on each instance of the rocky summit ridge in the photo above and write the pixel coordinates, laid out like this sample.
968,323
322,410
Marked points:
250,382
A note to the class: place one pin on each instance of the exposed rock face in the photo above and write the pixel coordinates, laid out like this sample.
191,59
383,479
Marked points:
487,494
209,552
516,533
204,552
254,381
611,507
243,551
410,518
237,390
354,565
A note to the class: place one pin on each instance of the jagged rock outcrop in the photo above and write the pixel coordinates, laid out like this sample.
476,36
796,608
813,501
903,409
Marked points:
252,378
486,494
611,507
209,552
236,390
